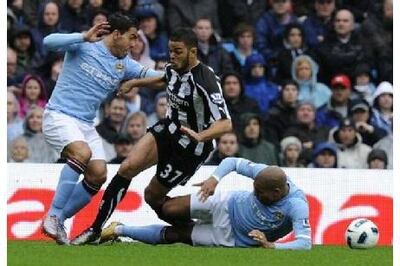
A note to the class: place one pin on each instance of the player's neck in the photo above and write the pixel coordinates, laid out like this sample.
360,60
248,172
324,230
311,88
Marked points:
192,65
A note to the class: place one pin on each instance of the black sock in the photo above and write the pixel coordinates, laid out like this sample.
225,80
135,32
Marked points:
114,193
91,188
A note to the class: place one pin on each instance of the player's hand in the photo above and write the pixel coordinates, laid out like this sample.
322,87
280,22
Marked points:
207,188
126,87
191,134
96,32
260,237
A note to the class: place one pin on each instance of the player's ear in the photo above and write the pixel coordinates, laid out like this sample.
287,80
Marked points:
116,34
193,51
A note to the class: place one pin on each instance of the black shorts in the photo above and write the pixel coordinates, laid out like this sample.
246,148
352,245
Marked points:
176,164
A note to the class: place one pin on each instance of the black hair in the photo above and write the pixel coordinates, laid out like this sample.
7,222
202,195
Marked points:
291,26
121,23
289,82
185,35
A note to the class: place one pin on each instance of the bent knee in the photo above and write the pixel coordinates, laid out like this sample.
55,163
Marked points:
79,151
153,199
96,172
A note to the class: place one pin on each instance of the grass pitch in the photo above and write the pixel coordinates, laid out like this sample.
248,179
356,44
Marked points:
43,253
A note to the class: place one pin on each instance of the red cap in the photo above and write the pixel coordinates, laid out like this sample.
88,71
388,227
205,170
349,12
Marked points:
341,80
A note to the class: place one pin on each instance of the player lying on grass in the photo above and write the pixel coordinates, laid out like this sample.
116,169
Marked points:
235,218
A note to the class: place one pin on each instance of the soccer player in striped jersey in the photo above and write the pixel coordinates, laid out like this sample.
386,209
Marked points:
255,218
95,64
179,144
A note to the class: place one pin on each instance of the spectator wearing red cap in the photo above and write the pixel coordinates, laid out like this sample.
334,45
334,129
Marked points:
339,105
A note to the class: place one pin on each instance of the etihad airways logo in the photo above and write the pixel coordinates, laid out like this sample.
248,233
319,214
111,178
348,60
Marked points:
99,76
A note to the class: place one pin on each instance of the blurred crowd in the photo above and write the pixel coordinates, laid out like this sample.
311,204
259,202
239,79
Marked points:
307,83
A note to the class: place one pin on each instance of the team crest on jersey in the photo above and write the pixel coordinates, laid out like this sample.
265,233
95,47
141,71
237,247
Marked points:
119,67
279,216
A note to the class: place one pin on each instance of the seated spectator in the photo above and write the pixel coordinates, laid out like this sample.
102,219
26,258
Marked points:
377,159
382,113
136,126
271,26
338,107
343,50
241,47
40,151
123,145
324,156
304,72
182,14
136,102
319,23
252,146
257,86
282,114
74,16
112,125
210,51
293,46
14,122
363,86
386,144
49,17
33,94
290,152
228,146
150,23
361,114
14,79
351,152
307,130
98,16
140,51
18,151
161,106
236,100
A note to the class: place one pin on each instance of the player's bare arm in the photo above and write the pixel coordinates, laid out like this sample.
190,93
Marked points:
150,82
217,129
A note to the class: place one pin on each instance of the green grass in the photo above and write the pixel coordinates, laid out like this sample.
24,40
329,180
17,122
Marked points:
43,253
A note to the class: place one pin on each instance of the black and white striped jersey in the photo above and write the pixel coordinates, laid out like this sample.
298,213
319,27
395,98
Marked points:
195,98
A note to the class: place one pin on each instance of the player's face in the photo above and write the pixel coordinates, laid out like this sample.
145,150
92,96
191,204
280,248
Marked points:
178,56
228,145
124,42
265,196
32,90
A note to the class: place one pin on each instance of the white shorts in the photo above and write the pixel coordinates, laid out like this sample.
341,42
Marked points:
60,130
213,227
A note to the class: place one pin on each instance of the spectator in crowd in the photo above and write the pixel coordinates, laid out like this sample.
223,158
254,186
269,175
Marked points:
51,69
182,14
13,78
74,16
282,114
95,4
252,146
270,28
49,17
112,125
257,85
136,126
33,94
14,122
30,9
361,9
351,152
93,7
302,8
386,144
136,102
319,23
140,51
161,106
228,146
290,152
151,25
236,99
361,114
324,156
234,12
18,151
241,47
123,145
304,72
126,7
161,63
363,86
27,56
293,46
98,16
338,106
377,159
382,113
40,151
16,6
342,51
307,130
11,21
210,51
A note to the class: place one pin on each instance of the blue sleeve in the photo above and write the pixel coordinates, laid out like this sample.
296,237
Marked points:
134,70
63,42
241,166
301,228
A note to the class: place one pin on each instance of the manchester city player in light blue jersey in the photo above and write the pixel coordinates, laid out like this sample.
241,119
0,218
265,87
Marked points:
95,64
233,219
